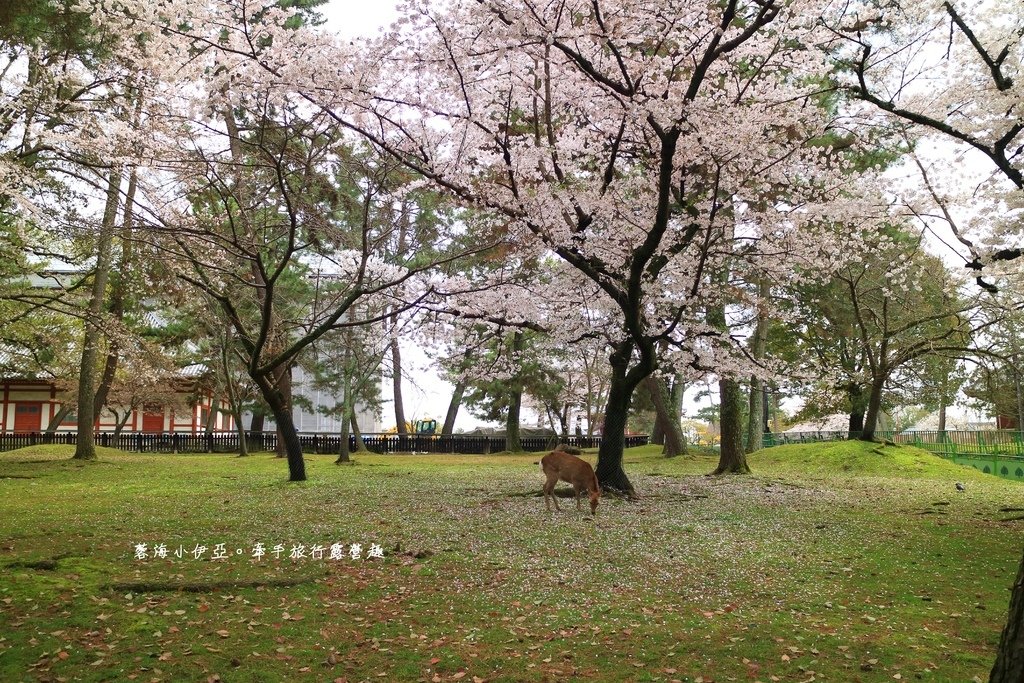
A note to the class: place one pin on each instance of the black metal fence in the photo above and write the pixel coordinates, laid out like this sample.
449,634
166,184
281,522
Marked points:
227,442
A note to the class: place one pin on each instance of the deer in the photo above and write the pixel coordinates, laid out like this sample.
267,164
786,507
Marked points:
557,465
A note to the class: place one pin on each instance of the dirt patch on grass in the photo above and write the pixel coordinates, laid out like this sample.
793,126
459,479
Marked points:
44,565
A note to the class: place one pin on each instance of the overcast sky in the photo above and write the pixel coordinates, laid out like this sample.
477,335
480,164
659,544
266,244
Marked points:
359,17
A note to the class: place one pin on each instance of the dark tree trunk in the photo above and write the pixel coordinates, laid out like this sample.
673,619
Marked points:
874,409
211,417
677,395
453,409
758,346
357,435
396,386
85,446
856,424
121,422
610,474
118,294
755,411
658,432
513,439
731,459
1009,665
765,401
348,411
666,418
106,379
281,409
58,418
283,377
259,418
858,404
243,442
343,449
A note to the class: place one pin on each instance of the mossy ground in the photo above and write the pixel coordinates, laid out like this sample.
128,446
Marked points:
833,562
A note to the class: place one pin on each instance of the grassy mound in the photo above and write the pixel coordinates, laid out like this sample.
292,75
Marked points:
860,458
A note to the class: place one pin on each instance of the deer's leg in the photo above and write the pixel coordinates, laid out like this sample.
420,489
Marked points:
578,492
549,487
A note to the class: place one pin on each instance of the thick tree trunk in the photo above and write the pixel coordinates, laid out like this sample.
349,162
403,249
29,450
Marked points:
259,418
856,424
666,417
453,409
283,377
348,411
396,386
677,395
211,417
758,347
858,404
58,418
874,409
610,474
658,431
121,422
343,449
85,448
288,437
731,459
513,439
107,377
755,411
243,440
357,435
1009,665
118,294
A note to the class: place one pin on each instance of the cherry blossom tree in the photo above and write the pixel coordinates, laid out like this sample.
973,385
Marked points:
949,71
596,130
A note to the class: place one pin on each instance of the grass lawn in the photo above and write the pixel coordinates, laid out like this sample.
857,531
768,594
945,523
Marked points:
834,562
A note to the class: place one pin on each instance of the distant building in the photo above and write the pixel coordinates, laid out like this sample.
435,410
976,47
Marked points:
30,405
1006,422
315,411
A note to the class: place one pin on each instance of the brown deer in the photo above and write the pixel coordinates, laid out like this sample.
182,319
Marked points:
568,468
